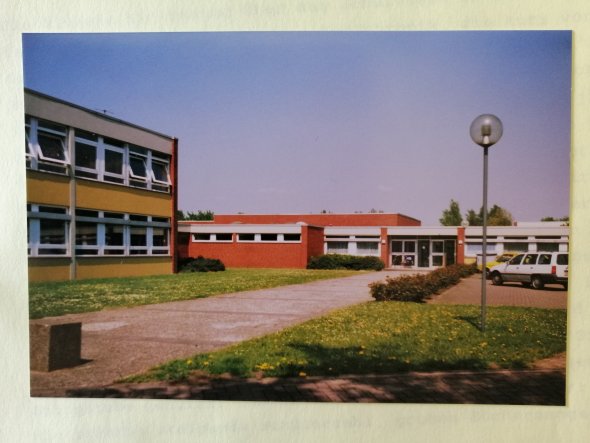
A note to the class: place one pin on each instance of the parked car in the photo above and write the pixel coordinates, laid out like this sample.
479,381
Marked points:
502,258
533,269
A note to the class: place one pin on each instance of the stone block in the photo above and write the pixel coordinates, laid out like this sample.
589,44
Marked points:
54,346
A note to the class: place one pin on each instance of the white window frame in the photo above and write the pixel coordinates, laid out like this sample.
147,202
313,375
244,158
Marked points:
61,136
106,147
166,167
34,243
96,145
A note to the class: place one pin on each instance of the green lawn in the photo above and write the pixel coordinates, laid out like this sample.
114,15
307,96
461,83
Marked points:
388,337
59,298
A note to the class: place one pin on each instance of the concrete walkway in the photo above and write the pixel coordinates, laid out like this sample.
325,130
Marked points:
121,342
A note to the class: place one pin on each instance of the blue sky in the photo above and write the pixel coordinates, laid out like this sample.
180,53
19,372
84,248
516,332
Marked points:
343,121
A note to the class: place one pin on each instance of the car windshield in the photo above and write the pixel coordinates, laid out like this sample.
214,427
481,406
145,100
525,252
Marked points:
503,258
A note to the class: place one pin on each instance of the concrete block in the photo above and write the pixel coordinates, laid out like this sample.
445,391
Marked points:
54,346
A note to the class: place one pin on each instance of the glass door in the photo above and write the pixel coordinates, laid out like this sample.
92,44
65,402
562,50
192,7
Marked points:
424,254
438,253
403,253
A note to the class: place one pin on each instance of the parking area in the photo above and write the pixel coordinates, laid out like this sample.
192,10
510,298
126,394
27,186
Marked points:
468,291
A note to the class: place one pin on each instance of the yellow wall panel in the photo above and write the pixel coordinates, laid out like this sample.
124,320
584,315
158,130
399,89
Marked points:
107,197
49,269
50,189
104,267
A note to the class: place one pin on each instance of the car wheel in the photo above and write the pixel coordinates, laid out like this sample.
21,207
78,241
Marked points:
497,279
537,282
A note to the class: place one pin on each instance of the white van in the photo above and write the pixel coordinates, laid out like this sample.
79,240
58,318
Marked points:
533,268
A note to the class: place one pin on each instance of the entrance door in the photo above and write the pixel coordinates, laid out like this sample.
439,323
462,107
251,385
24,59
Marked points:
403,253
423,253
438,253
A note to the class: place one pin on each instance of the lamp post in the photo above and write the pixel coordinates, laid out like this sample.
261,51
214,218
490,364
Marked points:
485,131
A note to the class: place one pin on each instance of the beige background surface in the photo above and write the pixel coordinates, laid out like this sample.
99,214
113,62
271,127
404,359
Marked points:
26,419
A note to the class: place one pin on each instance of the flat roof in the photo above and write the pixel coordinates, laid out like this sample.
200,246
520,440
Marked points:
96,113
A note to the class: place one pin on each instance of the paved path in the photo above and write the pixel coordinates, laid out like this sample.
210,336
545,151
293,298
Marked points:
121,342
468,291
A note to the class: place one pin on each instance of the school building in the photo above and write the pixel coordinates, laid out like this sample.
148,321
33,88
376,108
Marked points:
102,202
101,194
288,241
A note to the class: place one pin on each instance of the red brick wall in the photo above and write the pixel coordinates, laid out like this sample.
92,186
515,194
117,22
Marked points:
321,219
315,242
251,255
460,245
384,240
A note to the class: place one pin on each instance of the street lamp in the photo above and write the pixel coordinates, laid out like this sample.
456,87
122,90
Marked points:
485,131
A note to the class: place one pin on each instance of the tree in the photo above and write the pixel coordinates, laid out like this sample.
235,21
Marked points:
497,216
473,218
199,215
451,216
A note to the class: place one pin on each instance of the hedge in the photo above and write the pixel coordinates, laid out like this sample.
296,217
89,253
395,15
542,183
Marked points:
201,264
417,287
342,261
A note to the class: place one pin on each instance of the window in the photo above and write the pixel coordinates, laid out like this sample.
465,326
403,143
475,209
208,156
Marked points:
201,237
268,237
86,238
337,247
96,157
52,142
223,237
160,241
45,146
47,230
367,248
160,174
115,233
291,237
516,247
138,240
246,237
530,259
548,247
562,259
476,248
545,259
516,260
138,172
113,165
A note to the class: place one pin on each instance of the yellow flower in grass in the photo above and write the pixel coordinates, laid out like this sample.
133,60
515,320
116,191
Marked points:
189,362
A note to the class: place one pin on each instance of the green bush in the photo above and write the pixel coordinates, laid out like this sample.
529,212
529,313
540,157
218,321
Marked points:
341,261
201,264
416,288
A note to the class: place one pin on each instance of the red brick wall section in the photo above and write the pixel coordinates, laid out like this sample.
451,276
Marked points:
321,219
384,240
460,245
315,242
251,255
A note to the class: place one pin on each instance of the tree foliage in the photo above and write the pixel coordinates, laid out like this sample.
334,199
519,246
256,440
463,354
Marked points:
452,215
497,216
199,215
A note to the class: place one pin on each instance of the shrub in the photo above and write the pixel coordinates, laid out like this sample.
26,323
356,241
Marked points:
201,264
416,288
341,261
